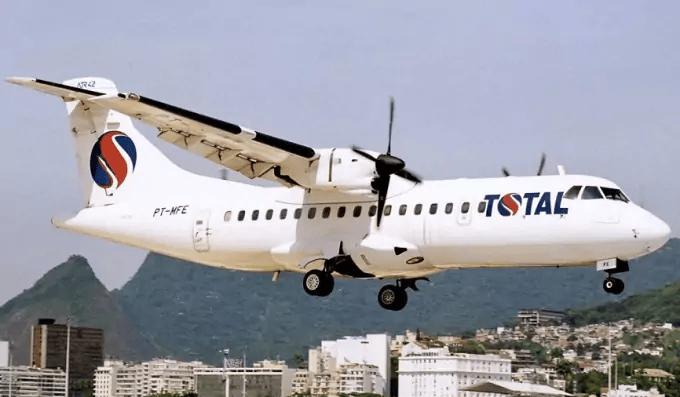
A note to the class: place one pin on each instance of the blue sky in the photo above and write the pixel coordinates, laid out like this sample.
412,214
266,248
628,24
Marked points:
478,85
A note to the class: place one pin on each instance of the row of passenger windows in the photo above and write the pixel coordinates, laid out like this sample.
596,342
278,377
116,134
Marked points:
594,193
341,211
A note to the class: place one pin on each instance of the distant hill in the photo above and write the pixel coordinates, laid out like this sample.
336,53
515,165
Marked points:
187,311
71,289
659,305
191,311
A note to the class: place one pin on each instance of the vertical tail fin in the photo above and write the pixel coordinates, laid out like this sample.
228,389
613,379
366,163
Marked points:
115,161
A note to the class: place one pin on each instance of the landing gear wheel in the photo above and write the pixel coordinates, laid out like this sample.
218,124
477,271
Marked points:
392,297
318,283
613,285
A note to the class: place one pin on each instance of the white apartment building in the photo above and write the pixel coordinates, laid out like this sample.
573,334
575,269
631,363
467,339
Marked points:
435,372
31,382
632,391
119,379
4,353
359,378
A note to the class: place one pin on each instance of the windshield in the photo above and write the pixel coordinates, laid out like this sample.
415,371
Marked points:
614,194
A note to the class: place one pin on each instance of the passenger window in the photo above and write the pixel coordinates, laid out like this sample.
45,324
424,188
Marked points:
269,214
465,207
449,208
298,213
241,215
433,208
402,209
326,212
341,211
614,194
418,209
591,193
388,210
572,193
481,207
357,211
372,210
227,216
311,213
283,214
256,214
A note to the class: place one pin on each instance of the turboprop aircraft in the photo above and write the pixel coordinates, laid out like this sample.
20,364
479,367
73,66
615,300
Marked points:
339,212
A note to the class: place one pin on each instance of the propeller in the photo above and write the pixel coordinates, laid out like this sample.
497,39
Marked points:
385,166
541,165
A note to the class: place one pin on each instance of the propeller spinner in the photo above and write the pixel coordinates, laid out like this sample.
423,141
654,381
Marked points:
386,165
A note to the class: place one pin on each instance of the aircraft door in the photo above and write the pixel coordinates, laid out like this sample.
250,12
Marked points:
464,213
202,232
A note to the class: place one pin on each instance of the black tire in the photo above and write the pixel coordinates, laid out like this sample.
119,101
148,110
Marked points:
393,298
613,285
327,285
318,283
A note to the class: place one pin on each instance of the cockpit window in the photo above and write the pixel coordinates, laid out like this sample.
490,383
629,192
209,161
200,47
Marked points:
614,194
591,193
573,192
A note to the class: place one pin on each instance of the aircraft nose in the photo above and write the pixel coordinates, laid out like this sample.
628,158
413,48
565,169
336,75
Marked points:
655,232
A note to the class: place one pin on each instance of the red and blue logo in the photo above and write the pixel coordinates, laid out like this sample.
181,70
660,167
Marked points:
112,159
509,204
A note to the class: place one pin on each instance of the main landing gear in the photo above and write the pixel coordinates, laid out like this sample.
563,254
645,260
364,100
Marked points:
394,297
318,282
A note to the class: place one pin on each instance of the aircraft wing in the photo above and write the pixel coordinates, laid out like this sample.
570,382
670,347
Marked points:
252,153
249,152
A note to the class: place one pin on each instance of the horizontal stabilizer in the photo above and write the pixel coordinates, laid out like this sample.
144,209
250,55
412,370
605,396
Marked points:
78,89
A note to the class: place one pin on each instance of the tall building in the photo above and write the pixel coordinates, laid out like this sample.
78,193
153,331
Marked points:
4,353
435,372
357,364
31,382
119,379
48,350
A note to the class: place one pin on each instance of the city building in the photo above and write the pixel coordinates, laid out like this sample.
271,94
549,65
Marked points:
632,391
435,372
119,379
48,350
4,353
273,381
539,317
372,349
31,382
358,378
300,382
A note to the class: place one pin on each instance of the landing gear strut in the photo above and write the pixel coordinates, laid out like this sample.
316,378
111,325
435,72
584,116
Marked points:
394,297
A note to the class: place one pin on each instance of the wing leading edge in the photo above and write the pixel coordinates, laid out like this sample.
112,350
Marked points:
249,152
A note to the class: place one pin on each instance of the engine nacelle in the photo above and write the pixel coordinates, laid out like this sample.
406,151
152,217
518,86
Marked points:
342,169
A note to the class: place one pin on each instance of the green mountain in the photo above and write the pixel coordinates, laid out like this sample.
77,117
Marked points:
659,305
71,289
190,311
187,311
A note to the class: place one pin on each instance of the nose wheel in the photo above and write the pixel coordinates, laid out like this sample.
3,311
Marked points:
318,283
613,285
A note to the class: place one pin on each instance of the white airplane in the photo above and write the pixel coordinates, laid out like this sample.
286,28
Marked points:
340,211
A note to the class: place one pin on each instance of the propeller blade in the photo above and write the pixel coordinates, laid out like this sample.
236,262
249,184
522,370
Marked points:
409,176
389,134
361,152
382,184
541,165
505,171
